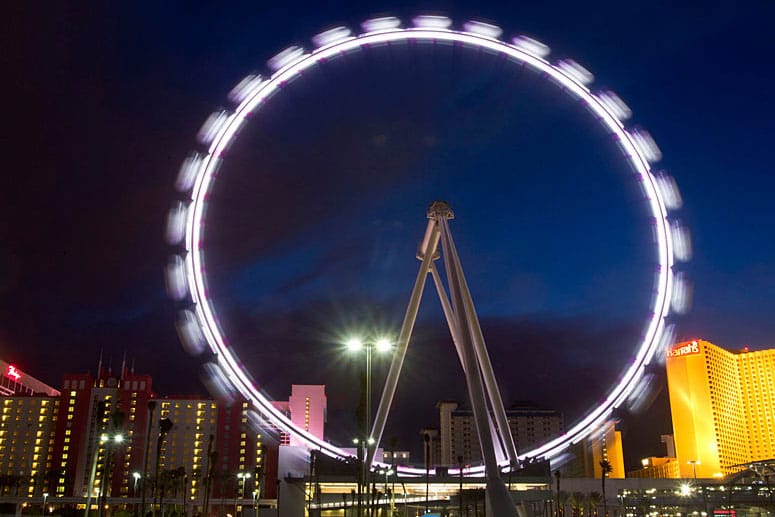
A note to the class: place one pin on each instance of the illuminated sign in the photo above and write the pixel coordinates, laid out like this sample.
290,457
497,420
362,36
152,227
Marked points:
13,372
681,350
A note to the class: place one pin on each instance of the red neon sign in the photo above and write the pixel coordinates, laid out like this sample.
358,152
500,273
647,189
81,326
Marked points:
690,348
13,372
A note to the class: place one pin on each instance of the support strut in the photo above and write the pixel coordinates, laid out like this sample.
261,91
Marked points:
495,437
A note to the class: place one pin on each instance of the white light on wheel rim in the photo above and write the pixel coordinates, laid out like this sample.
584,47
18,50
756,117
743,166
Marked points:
288,65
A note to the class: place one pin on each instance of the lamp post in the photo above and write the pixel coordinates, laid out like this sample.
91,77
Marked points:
460,491
110,442
427,438
381,345
243,477
97,427
387,472
362,447
151,408
135,477
355,345
43,508
694,464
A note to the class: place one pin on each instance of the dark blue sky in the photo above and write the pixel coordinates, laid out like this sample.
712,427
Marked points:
317,213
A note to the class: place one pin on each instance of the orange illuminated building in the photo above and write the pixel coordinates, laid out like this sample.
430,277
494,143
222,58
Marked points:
723,407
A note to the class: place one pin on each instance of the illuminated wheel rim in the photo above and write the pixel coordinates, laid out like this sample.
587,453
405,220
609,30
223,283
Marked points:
198,324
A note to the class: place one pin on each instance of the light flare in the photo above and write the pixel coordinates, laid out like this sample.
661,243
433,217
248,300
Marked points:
646,145
576,71
176,223
531,46
487,30
245,88
285,58
175,277
190,332
212,126
432,22
331,36
615,105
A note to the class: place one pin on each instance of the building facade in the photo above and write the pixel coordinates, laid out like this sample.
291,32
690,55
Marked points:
530,426
586,456
27,428
722,405
103,436
655,467
307,408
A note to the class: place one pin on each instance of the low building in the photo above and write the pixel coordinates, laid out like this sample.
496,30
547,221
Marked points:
657,468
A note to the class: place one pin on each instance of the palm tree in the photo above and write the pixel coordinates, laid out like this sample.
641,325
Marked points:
605,468
562,501
594,501
577,503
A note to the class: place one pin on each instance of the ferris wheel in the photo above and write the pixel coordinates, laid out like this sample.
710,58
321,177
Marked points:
198,322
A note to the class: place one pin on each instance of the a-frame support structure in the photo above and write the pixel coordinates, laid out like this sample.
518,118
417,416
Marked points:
497,444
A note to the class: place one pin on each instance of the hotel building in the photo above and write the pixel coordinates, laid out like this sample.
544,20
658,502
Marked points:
530,427
723,407
26,435
100,433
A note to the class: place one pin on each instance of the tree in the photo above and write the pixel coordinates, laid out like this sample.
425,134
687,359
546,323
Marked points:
594,501
605,469
577,500
563,498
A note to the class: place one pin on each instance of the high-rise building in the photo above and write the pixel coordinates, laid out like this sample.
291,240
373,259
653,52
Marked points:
91,410
723,407
530,427
26,435
186,444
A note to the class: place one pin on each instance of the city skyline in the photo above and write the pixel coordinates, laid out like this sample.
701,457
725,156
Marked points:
84,270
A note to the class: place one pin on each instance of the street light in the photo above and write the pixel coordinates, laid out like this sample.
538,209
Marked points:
355,345
255,503
110,442
382,345
243,476
694,464
362,450
43,508
387,472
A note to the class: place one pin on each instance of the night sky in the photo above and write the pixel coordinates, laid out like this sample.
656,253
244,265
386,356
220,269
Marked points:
314,220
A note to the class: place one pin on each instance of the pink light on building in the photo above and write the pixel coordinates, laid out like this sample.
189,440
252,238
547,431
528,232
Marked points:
307,405
306,408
